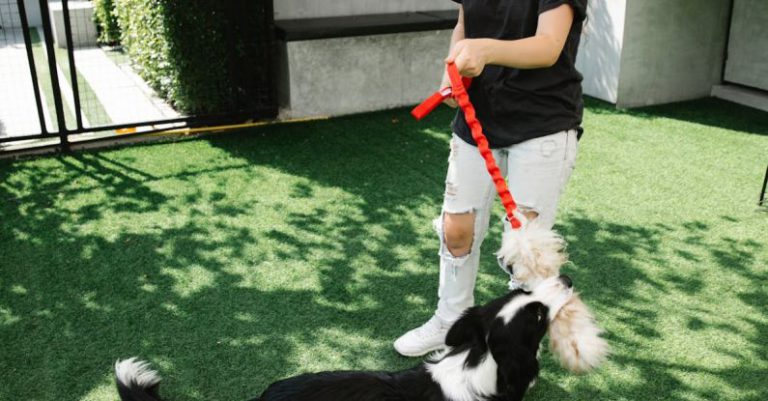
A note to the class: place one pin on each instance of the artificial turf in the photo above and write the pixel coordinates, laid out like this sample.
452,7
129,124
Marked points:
236,260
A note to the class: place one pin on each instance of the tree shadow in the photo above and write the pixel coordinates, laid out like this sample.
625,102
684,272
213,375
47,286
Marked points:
609,263
273,251
107,255
599,249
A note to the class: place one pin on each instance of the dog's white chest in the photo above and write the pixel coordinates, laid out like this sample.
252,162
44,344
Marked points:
460,383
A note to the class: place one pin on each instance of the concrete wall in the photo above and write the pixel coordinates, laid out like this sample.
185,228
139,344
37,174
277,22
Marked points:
33,12
334,77
599,57
9,13
673,50
82,23
290,9
748,47
633,52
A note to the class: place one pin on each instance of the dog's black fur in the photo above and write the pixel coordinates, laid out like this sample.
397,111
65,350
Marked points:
479,331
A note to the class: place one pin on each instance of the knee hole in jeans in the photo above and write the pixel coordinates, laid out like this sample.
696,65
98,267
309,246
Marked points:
530,215
459,232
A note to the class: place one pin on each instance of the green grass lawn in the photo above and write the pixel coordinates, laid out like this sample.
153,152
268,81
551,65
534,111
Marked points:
240,259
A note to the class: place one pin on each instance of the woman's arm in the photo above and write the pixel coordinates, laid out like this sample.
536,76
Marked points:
456,37
539,51
458,30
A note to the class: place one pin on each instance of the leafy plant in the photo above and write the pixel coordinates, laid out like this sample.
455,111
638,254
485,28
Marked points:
106,20
203,56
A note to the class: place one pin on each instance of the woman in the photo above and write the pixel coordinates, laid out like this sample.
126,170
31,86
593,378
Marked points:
527,94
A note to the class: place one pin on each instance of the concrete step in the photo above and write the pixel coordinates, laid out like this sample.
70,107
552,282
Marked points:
742,95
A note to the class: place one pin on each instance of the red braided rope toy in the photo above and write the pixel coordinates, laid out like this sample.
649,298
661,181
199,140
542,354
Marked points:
458,91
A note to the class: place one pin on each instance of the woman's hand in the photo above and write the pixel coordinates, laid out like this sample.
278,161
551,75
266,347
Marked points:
449,101
470,56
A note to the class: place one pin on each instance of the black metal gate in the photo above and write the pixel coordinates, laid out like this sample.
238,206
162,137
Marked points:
56,91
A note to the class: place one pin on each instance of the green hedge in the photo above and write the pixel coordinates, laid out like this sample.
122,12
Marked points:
106,20
204,56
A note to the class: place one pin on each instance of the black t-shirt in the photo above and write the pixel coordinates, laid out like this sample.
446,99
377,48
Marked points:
515,105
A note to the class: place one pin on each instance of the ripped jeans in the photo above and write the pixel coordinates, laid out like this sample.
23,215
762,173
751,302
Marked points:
537,172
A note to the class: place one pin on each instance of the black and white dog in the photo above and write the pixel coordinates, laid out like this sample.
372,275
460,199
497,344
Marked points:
491,354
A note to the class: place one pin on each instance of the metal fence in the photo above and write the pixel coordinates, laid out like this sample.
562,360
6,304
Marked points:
58,87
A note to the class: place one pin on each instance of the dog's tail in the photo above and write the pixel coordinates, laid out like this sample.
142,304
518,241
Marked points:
136,381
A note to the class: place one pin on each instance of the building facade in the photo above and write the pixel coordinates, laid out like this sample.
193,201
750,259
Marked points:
634,52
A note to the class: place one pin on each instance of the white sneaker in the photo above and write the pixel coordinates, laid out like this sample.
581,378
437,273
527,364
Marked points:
423,340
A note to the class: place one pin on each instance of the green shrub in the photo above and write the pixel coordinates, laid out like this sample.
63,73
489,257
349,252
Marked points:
106,20
204,56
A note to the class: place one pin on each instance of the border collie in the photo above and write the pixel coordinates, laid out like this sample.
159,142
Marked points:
491,354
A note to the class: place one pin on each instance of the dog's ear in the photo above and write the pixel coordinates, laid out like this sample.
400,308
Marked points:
466,330
539,311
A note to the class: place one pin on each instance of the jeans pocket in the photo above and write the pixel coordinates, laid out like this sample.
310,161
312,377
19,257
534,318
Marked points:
548,148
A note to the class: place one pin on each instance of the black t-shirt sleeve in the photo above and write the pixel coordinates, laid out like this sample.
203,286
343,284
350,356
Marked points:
579,7
457,1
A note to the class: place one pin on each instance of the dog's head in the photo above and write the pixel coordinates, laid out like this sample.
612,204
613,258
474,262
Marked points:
493,348
524,318
532,254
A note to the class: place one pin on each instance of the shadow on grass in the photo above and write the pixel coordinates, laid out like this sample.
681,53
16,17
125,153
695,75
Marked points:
602,257
184,287
76,295
709,111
